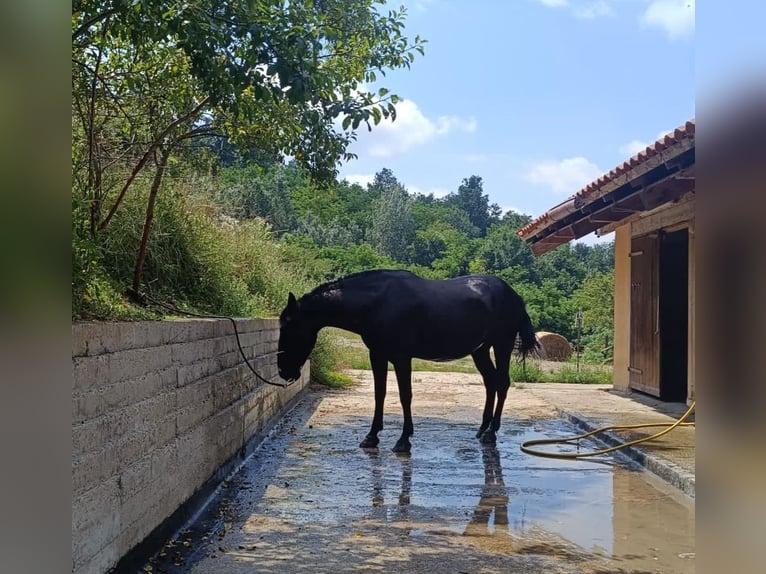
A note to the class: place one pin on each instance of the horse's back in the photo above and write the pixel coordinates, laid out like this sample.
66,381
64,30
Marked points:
438,319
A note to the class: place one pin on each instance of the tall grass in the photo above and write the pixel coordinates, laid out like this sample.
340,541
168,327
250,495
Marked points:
198,259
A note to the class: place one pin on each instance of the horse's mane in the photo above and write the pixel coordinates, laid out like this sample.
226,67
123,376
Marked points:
341,281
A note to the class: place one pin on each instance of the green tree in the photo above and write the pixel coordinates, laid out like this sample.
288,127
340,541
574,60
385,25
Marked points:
470,197
392,225
549,308
515,220
503,248
431,243
562,267
595,298
149,78
426,212
254,191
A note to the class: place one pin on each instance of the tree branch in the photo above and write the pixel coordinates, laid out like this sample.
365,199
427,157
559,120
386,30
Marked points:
145,158
94,20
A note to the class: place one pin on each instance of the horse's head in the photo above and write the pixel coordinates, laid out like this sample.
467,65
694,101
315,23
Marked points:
296,340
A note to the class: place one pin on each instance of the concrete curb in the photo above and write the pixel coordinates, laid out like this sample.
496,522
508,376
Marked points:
664,469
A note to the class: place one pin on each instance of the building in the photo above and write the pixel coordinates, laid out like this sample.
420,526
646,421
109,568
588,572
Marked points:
649,203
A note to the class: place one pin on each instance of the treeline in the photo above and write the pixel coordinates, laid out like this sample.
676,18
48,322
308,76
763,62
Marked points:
181,115
347,228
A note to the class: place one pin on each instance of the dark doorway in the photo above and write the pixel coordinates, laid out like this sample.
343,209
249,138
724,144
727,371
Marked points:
674,314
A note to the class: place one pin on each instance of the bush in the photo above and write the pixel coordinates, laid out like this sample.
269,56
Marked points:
325,359
198,259
586,374
526,373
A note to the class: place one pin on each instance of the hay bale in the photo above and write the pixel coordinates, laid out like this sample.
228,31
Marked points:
553,346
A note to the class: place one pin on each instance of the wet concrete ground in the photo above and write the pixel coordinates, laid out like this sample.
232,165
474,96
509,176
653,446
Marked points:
310,500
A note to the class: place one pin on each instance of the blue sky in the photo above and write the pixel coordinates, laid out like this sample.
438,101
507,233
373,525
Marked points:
538,97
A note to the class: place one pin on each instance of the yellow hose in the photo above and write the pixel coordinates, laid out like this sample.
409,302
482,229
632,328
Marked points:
680,422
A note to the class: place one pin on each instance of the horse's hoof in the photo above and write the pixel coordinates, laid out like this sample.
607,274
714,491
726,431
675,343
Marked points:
402,447
480,432
489,437
369,442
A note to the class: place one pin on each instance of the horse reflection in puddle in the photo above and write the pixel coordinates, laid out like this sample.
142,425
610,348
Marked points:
493,502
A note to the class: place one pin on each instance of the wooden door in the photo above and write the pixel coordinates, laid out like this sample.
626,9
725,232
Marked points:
644,320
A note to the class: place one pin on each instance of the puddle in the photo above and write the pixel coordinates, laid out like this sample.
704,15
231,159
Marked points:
496,499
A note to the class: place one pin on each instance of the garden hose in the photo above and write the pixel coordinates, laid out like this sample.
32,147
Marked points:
680,422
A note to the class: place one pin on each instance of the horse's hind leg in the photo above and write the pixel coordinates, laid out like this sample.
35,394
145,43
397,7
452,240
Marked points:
403,369
379,373
487,370
502,383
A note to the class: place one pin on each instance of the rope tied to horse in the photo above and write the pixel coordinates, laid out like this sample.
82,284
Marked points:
143,298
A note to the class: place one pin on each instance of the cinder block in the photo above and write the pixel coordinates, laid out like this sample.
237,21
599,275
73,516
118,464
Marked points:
87,406
164,461
194,351
188,374
103,561
91,372
136,477
193,415
195,393
90,470
136,363
144,505
95,520
134,391
89,436
133,447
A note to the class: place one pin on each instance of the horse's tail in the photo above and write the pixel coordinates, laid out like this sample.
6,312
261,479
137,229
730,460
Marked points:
527,336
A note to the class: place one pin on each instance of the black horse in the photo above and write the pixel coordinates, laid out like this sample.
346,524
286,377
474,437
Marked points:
400,316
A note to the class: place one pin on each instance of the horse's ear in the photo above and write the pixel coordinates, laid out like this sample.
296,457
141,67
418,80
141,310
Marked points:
290,301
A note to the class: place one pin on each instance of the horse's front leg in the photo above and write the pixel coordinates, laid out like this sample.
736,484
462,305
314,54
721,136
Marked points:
379,373
403,369
488,374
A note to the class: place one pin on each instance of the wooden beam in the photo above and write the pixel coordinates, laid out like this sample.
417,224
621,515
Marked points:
664,217
639,215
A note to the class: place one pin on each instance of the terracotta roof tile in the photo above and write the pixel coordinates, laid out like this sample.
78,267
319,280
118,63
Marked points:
686,130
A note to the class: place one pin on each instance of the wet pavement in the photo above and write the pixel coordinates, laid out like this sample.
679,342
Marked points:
310,500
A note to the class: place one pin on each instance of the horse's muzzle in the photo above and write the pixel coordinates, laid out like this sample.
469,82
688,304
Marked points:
289,377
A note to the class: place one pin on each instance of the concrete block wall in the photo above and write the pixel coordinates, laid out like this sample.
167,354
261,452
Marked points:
157,408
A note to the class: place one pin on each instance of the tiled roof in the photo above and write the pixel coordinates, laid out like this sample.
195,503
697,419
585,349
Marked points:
591,191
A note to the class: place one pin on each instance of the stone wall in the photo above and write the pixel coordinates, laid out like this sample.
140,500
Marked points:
159,410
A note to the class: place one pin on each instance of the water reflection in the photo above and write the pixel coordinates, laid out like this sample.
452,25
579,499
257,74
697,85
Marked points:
492,509
379,471
495,498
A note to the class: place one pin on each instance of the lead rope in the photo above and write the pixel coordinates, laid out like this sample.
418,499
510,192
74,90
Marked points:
142,297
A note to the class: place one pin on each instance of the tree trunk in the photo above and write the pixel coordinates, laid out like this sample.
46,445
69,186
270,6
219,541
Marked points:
149,218
145,158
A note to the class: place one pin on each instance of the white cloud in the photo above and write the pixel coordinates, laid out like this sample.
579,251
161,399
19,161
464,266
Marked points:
437,191
674,17
592,10
592,239
635,146
411,129
566,176
362,179
422,5
509,208
584,10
